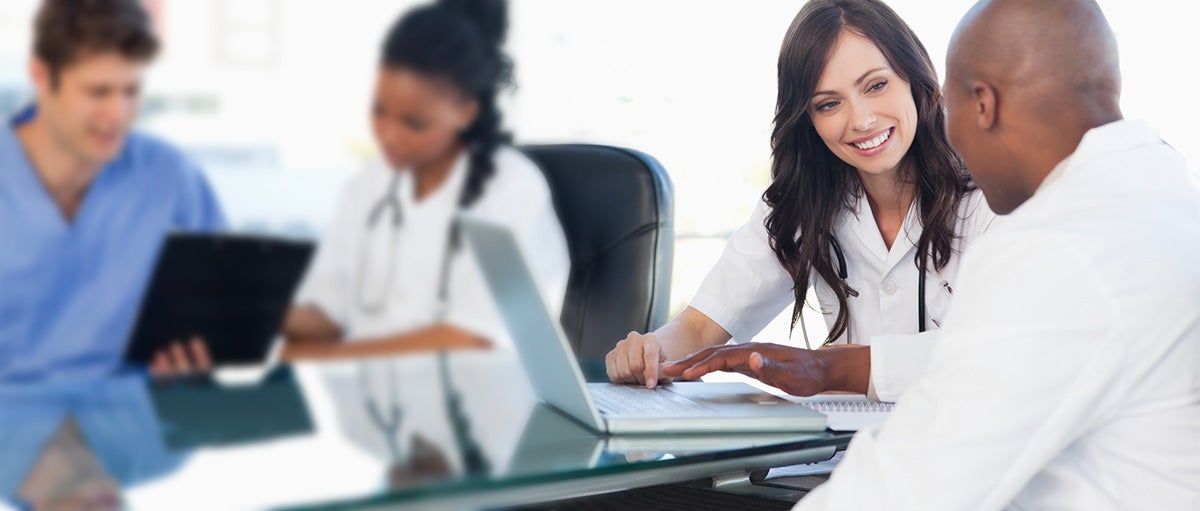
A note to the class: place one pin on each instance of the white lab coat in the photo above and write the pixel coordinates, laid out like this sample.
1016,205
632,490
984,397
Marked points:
748,287
1067,375
516,195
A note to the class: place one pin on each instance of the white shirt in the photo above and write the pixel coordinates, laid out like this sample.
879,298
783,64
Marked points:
1067,375
748,287
351,270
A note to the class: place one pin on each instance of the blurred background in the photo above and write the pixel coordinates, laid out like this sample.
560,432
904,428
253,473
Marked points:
271,96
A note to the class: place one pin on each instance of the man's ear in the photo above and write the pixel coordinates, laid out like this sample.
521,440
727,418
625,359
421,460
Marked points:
39,74
986,102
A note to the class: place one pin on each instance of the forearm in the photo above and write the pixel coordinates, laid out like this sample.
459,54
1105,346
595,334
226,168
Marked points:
307,324
428,339
689,332
845,369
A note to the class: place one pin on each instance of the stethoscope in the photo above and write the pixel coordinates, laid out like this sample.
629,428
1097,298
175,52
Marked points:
386,419
843,274
389,207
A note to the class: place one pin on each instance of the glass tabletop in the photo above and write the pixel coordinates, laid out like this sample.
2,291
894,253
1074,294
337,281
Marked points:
396,431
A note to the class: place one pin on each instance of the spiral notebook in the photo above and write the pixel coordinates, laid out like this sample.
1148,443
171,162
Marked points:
847,412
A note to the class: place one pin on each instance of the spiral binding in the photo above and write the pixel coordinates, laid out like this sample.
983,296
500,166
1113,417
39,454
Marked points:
850,406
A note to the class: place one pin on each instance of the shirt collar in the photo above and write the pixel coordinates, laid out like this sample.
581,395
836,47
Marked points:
16,171
450,190
861,221
1114,137
22,116
458,176
8,135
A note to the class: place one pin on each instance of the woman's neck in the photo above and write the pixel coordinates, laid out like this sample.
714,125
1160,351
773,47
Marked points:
430,176
890,199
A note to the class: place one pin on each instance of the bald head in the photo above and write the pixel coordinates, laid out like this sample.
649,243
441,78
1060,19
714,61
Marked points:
1057,54
1025,79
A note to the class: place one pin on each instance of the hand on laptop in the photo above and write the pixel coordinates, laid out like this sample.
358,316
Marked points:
182,359
796,371
637,359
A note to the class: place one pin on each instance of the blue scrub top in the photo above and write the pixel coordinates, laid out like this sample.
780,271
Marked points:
70,292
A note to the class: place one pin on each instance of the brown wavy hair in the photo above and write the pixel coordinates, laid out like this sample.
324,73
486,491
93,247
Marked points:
810,185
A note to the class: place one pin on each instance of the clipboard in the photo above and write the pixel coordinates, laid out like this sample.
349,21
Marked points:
232,290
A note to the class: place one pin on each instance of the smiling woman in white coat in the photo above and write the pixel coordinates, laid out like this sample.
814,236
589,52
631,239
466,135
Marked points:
868,203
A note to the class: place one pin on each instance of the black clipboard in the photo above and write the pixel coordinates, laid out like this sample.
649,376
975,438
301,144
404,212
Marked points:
232,290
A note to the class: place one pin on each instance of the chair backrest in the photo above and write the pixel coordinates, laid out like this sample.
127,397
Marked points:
616,208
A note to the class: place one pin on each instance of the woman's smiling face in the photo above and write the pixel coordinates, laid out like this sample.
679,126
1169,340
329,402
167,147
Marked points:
862,109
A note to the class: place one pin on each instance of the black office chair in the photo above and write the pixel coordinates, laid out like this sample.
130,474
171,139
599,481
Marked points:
616,208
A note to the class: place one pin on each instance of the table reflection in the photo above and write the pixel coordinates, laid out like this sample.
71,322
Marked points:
352,432
198,412
73,445
432,417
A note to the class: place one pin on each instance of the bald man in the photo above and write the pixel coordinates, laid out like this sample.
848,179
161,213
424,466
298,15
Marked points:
1067,375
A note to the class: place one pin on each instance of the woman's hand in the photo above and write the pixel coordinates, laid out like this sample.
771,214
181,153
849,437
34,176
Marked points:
637,359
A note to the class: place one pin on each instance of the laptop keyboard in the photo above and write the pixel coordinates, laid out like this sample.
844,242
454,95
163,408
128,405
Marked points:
640,400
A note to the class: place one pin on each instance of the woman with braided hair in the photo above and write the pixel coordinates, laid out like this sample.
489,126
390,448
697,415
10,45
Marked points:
391,273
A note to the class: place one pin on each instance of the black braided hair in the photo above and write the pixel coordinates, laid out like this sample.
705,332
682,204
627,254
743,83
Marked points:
460,41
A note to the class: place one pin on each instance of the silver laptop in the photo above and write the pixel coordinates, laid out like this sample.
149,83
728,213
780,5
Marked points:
687,407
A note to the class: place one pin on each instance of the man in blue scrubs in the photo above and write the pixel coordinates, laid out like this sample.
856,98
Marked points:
85,202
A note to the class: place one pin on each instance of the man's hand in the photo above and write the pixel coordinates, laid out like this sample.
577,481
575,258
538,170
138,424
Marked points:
797,371
636,360
182,359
